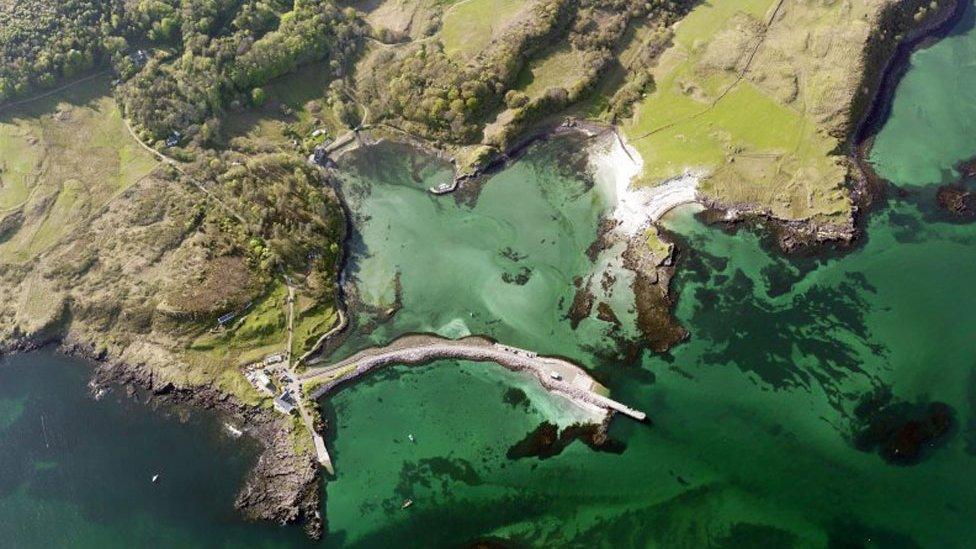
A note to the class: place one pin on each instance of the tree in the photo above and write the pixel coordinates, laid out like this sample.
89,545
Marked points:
258,96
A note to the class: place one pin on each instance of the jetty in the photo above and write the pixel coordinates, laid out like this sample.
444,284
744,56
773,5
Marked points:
557,375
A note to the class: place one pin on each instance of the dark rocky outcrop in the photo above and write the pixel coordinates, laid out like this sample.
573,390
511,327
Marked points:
903,433
546,440
654,299
957,201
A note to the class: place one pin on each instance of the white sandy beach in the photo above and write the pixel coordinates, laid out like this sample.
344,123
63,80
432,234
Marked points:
615,164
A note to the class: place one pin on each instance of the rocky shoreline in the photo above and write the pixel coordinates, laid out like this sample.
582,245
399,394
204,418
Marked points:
654,297
283,486
868,187
812,236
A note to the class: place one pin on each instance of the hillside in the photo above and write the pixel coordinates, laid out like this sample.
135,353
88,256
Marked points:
758,95
154,172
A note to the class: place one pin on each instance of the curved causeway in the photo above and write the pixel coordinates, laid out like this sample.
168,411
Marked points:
557,375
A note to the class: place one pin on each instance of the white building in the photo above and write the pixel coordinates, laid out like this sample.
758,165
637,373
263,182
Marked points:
261,382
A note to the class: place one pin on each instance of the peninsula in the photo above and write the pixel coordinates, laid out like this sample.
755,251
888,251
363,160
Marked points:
172,206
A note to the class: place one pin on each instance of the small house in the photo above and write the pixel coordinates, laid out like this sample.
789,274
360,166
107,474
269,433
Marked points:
274,359
285,403
261,382
174,139
140,58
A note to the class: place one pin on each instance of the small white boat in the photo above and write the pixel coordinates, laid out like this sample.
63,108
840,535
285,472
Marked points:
155,478
406,503
234,431
411,437
443,188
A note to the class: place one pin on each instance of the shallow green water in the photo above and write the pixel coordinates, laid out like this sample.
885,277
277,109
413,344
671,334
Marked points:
751,438
753,416
503,266
929,128
750,441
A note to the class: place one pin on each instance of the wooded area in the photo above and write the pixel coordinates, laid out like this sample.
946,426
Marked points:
44,42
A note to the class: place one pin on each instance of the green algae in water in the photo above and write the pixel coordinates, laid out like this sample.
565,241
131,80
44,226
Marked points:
751,440
754,418
503,266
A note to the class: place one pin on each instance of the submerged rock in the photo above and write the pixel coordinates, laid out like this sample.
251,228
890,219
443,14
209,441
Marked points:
582,305
546,441
516,397
901,432
520,278
957,200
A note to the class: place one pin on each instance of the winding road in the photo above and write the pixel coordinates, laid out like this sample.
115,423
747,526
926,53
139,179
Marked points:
176,165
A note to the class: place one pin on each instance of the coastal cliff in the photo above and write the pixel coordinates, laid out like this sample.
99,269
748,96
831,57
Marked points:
110,287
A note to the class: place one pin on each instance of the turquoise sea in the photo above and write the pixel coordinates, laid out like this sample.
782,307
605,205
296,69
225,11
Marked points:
788,418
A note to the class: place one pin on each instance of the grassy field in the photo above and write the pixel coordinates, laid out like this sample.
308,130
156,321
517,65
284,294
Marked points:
411,18
62,158
18,159
219,356
205,371
760,125
711,17
298,88
468,26
557,68
311,321
259,332
265,128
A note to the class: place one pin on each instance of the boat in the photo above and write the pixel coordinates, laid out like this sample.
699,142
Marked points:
234,431
155,478
443,188
406,503
411,437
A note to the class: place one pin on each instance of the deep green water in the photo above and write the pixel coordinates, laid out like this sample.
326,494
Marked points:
751,440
